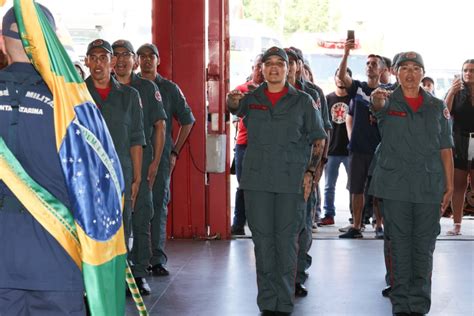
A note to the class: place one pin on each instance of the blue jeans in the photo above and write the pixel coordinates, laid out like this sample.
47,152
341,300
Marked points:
239,210
331,172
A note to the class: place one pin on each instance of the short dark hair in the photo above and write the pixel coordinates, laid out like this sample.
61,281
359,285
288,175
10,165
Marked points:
387,61
380,58
348,70
427,79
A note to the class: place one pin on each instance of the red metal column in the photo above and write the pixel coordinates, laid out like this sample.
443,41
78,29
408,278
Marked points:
218,85
178,31
199,201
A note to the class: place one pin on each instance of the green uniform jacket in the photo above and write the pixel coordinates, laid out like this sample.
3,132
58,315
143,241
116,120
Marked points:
175,105
153,111
279,139
409,166
123,115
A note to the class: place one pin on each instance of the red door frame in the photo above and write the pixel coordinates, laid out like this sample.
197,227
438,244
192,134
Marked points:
199,206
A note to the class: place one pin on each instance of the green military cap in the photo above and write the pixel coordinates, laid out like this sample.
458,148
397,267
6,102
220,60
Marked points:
99,43
125,44
150,46
410,56
275,51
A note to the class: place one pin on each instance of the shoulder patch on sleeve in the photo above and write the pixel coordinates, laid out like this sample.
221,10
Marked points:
446,114
317,104
158,95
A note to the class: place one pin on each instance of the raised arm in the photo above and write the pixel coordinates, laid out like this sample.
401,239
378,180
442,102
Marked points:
342,73
455,88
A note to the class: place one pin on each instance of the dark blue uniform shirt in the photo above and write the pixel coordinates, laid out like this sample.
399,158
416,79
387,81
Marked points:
30,258
365,134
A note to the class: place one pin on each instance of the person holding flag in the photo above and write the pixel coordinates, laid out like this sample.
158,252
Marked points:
61,184
36,273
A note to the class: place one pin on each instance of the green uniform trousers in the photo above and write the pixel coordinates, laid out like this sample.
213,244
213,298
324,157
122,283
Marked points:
275,220
412,229
161,198
305,240
141,221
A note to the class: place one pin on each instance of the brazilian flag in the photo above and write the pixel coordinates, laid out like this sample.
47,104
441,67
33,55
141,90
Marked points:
92,231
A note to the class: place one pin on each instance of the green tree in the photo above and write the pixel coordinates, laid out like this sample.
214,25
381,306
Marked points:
290,16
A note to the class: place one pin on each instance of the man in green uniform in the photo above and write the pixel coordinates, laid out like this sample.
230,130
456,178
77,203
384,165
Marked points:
121,108
154,124
175,106
414,177
277,176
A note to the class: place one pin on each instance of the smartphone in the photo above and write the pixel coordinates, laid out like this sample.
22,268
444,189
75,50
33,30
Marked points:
350,35
457,76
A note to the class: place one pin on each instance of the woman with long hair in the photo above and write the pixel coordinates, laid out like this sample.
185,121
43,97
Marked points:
460,102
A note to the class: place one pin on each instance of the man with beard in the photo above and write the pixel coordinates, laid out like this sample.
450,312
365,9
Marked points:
338,104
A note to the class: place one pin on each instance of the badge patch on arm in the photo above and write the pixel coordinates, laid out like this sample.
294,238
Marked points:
446,114
158,96
317,104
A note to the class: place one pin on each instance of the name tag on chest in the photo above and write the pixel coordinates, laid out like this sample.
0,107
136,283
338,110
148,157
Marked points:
258,107
397,113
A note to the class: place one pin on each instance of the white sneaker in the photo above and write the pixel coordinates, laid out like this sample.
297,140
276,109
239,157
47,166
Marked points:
346,228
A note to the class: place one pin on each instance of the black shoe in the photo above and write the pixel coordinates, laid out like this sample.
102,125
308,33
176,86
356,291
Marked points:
402,314
417,314
143,286
237,230
379,233
159,270
267,313
386,291
300,290
352,233
282,313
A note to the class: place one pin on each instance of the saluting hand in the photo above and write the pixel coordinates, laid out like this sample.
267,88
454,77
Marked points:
378,98
233,99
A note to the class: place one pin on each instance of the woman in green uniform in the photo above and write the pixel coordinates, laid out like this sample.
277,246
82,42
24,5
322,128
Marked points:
414,177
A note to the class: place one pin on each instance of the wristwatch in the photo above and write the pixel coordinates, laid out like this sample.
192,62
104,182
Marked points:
324,160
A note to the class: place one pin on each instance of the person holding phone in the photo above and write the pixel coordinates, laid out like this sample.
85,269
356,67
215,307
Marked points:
460,102
362,132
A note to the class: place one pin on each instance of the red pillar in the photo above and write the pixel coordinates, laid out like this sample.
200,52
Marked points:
218,85
199,200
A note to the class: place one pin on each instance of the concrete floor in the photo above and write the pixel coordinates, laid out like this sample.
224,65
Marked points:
218,278
211,278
